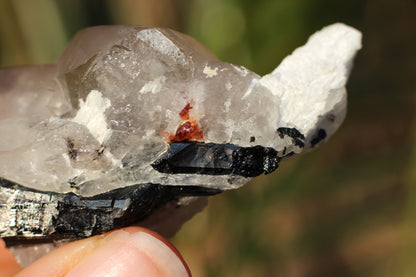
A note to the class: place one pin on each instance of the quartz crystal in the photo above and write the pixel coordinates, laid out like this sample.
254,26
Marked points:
134,125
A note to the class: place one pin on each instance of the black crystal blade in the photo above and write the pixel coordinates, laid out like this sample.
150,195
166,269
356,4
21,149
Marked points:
38,216
217,159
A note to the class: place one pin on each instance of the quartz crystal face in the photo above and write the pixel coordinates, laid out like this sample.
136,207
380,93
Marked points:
131,119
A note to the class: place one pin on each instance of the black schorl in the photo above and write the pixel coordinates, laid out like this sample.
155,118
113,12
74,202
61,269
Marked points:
74,216
217,159
123,206
297,137
318,137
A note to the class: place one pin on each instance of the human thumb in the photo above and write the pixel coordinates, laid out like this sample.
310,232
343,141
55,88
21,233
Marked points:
132,251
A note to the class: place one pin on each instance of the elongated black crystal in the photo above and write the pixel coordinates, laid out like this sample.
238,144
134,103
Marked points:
72,216
217,159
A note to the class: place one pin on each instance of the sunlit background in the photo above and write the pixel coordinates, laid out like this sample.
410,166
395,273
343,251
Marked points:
346,209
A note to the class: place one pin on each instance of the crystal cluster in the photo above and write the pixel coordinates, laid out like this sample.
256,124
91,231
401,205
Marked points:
131,119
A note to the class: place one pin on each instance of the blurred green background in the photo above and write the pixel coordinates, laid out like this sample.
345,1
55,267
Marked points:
346,209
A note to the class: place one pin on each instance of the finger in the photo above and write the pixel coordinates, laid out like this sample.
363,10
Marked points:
8,265
133,251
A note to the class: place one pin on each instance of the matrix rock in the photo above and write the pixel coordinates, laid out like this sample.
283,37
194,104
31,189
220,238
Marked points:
134,125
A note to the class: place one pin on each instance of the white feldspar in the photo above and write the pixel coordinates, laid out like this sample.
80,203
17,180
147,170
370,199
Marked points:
210,72
310,83
91,114
116,91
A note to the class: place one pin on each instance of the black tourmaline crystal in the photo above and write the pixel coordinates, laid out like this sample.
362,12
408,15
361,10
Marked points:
217,159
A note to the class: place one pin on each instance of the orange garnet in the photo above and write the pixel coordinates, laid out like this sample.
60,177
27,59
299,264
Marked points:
188,129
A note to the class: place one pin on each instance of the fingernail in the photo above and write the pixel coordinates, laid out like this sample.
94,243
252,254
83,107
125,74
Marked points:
140,253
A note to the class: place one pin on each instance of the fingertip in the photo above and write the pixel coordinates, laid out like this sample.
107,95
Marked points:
136,229
133,251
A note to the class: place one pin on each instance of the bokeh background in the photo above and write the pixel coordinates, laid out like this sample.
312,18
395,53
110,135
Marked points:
345,209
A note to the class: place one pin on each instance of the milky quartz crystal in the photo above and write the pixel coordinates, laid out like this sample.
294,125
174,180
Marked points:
98,132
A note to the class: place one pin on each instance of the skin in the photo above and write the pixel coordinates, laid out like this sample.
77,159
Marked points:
132,251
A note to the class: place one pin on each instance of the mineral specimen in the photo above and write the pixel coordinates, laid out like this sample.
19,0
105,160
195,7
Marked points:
133,125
